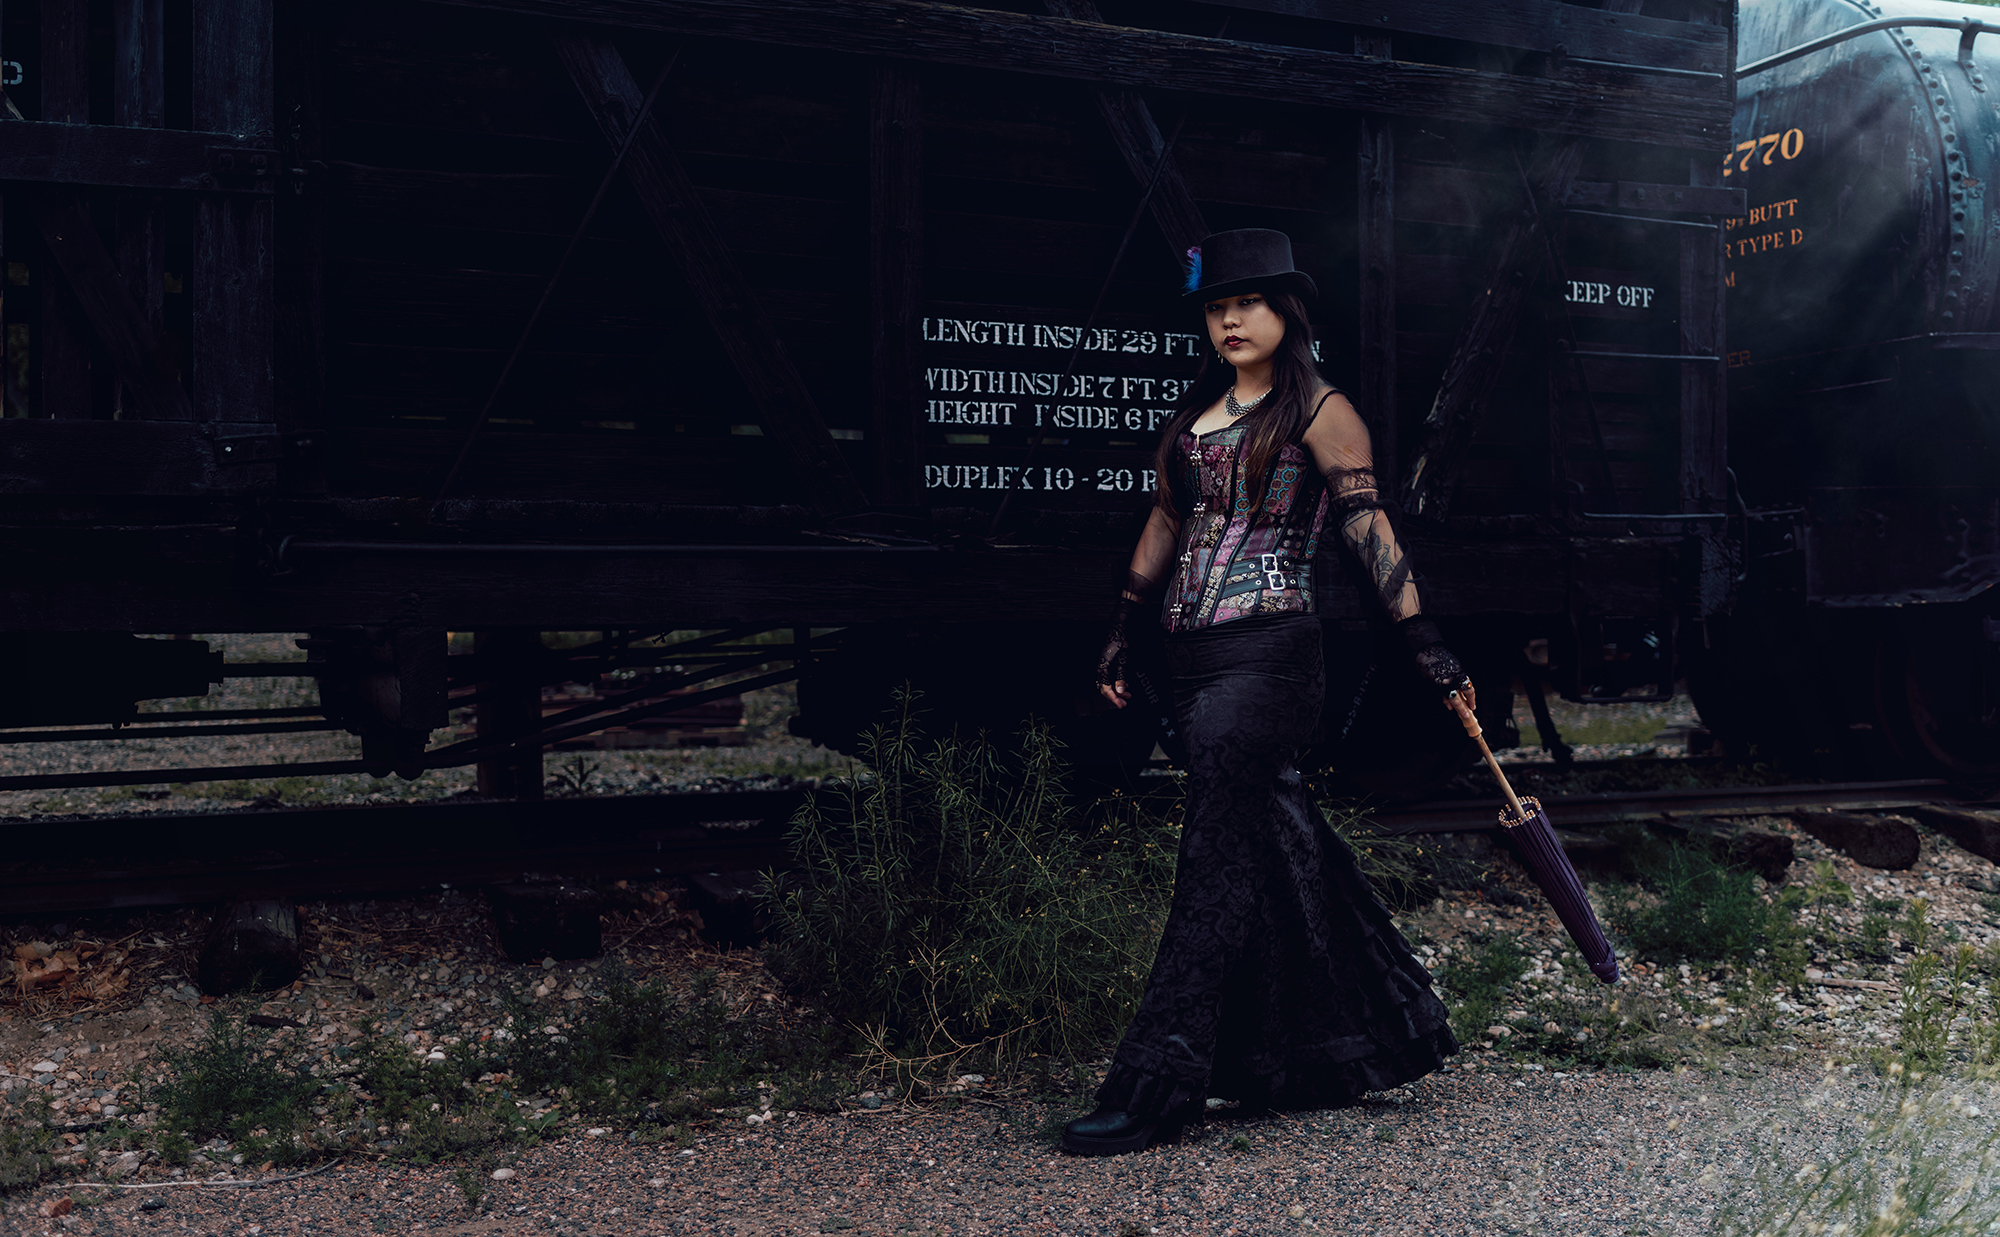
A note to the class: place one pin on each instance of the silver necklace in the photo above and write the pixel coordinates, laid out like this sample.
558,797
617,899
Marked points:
1234,409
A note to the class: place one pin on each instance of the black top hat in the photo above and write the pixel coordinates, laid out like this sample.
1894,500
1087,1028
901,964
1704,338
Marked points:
1227,262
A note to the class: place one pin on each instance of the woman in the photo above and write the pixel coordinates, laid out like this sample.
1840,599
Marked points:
1280,980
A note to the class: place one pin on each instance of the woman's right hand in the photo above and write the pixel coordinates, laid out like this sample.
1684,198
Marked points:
1111,666
1117,643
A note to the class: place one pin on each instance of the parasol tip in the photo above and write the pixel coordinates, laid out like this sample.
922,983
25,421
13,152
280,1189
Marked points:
1606,970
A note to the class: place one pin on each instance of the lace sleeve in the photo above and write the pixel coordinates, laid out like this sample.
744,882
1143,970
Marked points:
1364,519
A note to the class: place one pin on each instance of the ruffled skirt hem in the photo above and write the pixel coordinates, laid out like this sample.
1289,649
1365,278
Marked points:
1306,1084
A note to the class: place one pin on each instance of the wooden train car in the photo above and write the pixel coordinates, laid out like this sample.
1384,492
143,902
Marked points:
376,320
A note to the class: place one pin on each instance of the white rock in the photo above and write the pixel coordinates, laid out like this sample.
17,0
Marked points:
43,1067
502,1174
435,1054
657,1182
598,1132
112,1110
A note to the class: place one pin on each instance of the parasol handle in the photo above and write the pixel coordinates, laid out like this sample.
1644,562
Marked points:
1471,724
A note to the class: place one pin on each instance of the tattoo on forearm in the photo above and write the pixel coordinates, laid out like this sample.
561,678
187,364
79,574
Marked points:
1365,526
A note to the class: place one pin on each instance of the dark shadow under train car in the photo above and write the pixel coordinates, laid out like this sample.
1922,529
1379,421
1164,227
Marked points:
380,320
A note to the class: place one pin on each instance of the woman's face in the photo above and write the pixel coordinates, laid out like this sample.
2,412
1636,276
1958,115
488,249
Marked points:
1244,328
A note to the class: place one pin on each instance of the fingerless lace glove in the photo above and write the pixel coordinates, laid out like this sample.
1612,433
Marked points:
1434,660
1111,663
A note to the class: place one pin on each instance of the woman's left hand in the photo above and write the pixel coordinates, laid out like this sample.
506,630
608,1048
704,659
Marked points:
1466,695
1434,660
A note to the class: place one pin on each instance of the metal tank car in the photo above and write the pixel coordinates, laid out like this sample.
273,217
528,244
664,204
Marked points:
1864,389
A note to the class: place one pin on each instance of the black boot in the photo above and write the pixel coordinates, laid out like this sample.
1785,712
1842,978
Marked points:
1109,1131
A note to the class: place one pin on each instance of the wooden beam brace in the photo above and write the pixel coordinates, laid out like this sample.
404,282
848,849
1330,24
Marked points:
143,362
1528,25
1481,349
126,158
233,287
1703,385
896,252
1375,190
299,343
1669,111
129,459
1139,142
1676,199
61,349
139,100
784,406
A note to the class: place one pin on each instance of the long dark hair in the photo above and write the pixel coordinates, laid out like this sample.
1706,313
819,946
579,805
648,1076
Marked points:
1282,417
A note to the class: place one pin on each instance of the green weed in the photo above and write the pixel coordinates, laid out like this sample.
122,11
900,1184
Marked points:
1704,909
1917,927
1405,871
27,1143
1479,984
645,1052
576,776
955,900
231,1085
1827,887
1874,939
471,1184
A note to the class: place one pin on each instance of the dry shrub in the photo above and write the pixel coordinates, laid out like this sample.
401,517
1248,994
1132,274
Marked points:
956,901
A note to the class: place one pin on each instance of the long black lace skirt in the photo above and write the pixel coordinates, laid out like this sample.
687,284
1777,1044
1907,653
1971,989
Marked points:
1280,980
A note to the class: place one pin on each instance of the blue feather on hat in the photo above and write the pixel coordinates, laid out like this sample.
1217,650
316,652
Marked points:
1193,271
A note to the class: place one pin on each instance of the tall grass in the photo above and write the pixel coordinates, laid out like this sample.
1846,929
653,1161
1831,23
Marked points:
956,900
1920,1163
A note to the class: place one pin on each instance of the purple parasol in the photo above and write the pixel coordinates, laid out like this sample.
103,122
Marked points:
1542,854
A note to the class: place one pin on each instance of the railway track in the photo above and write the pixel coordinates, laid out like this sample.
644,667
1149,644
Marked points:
163,859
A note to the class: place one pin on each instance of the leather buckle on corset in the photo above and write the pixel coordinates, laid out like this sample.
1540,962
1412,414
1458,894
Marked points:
1276,570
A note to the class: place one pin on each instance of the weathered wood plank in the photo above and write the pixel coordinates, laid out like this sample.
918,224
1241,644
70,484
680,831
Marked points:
1375,197
1529,25
144,363
299,227
140,458
139,100
896,250
1664,111
1139,142
233,280
1518,255
109,155
1704,437
783,405
139,63
65,67
1634,195
597,468
61,355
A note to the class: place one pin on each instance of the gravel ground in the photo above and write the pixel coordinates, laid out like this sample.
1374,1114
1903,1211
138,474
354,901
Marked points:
1496,1143
1464,1151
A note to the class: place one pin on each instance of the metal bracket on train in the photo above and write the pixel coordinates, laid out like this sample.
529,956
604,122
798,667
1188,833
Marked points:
1965,61
243,169
239,450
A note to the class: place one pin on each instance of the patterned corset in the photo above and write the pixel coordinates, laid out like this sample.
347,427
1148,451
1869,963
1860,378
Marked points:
1237,557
